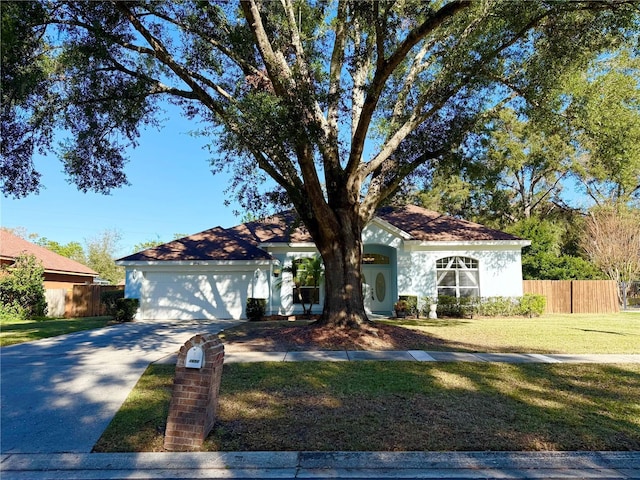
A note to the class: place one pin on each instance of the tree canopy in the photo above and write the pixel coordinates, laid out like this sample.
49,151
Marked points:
336,102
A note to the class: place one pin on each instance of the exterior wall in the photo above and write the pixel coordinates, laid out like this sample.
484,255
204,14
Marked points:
500,269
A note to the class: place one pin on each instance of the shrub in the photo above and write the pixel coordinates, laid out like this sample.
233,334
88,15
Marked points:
125,309
410,304
498,307
22,288
529,305
120,308
109,298
12,312
448,306
532,305
256,308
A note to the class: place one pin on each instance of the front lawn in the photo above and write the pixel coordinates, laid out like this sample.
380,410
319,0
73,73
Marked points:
398,406
18,331
570,333
595,333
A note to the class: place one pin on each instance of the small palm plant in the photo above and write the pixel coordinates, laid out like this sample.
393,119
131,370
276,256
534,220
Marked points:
309,273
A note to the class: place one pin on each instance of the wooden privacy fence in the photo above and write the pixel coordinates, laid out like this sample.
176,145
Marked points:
79,301
576,296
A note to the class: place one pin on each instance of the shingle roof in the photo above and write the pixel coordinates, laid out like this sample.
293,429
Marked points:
11,246
427,225
213,244
243,241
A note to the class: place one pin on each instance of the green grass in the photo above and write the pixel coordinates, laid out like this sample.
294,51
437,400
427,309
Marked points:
575,333
398,406
139,424
14,331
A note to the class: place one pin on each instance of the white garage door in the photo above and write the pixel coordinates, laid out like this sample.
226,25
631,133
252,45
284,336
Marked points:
187,296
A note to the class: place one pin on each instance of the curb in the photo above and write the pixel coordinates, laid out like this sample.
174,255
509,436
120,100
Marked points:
316,465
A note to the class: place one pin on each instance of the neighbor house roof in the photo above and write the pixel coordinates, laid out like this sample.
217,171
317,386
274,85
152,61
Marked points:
243,241
11,246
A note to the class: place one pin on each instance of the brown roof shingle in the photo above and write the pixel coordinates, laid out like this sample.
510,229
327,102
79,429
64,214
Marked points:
242,242
427,225
11,246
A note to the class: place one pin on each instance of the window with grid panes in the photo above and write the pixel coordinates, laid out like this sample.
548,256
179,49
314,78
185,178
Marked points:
458,277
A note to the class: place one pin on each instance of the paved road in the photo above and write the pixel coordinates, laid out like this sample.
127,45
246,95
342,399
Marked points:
58,395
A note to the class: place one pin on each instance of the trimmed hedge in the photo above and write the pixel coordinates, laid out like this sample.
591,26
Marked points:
120,308
529,305
126,309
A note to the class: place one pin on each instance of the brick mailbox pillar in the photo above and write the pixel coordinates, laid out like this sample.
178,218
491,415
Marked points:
192,410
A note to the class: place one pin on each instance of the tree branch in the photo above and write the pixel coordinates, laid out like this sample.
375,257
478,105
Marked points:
277,68
163,55
335,71
382,75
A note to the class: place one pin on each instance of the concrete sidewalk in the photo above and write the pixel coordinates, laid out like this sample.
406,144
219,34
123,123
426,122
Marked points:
324,465
413,356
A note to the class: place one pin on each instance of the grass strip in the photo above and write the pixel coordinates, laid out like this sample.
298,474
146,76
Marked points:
19,331
399,406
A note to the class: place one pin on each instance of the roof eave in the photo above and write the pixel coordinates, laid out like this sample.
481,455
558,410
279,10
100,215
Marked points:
185,263
69,272
391,228
462,243
267,245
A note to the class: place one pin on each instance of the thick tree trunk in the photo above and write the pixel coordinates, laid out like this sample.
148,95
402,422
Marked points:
342,256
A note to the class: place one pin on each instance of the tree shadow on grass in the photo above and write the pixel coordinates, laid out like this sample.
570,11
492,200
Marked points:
382,406
406,406
300,336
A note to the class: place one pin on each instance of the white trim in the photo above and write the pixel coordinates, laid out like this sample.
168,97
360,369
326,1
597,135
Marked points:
412,244
190,263
287,245
390,228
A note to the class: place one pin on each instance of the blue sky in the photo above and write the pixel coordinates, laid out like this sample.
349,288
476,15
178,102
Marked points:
172,191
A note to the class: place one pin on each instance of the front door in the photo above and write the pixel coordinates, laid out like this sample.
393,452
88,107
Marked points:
376,279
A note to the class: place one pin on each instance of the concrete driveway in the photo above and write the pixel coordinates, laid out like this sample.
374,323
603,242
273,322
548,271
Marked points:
58,395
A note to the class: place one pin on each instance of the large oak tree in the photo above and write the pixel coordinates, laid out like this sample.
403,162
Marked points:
336,102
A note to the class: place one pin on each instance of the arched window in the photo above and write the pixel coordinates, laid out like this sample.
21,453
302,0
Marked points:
458,277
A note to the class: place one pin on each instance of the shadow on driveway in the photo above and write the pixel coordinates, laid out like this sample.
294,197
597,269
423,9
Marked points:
59,394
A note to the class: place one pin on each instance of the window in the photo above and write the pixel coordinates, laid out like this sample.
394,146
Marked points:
458,277
307,276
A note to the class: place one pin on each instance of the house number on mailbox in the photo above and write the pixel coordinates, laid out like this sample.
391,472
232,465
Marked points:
195,357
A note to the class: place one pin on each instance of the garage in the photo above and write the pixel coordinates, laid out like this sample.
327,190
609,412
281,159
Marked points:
184,295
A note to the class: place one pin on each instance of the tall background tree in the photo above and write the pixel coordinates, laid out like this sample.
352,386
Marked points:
612,242
337,103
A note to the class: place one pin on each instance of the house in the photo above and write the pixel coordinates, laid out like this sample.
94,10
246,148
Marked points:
407,251
59,271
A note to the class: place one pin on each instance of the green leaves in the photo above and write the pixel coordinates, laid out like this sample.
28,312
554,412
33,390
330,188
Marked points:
22,288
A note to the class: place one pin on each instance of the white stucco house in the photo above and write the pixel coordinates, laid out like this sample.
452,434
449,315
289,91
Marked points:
407,251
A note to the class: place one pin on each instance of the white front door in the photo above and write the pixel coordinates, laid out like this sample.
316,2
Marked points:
377,288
